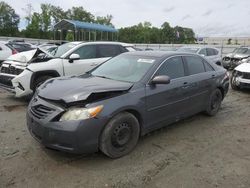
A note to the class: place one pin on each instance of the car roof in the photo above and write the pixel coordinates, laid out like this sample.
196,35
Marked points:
198,46
158,54
103,42
3,42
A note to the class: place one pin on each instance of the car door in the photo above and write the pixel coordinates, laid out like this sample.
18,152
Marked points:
199,83
88,60
165,102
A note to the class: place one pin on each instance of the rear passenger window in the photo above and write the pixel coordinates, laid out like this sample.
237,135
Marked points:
86,52
194,65
109,50
210,52
208,67
215,52
173,68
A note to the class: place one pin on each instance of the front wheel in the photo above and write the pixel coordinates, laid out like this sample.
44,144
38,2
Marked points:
214,103
120,135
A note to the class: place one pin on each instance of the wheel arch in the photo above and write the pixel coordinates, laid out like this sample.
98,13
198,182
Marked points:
35,75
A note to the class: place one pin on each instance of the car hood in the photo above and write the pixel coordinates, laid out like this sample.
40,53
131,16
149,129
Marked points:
25,57
239,56
244,67
79,88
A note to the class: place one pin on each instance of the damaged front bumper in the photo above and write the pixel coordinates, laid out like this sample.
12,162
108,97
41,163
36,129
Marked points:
81,136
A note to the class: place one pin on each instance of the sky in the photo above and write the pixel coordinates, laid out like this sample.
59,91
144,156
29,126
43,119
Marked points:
208,18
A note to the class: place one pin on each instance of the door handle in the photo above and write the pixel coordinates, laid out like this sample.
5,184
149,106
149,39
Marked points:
213,76
185,85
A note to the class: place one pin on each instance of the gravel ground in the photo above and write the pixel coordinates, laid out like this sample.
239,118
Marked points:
198,152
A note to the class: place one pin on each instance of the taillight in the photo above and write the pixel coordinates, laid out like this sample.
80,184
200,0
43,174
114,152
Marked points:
14,52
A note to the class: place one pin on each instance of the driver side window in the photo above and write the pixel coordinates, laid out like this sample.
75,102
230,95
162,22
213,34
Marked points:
173,68
86,52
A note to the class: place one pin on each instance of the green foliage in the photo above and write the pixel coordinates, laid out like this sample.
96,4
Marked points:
9,20
145,33
70,36
40,25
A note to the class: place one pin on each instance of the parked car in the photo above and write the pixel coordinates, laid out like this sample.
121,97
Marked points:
238,56
24,72
210,53
5,51
130,95
240,78
21,47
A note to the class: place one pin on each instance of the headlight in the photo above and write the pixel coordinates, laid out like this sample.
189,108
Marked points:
81,113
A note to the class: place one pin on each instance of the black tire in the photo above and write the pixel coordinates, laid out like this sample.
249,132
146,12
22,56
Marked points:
214,103
233,81
40,80
120,135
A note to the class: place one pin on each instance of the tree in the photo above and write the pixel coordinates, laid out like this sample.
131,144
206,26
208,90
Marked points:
168,33
104,20
9,20
34,29
79,13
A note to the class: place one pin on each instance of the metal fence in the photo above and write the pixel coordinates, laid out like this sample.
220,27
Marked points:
223,48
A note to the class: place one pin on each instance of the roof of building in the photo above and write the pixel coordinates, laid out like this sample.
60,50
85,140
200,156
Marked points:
74,24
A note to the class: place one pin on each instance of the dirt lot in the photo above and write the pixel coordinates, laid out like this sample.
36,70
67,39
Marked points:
198,152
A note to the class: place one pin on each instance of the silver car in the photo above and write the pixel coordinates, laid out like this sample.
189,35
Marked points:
237,57
210,53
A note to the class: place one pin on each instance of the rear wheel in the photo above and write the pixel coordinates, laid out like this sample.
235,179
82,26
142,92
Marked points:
120,135
214,103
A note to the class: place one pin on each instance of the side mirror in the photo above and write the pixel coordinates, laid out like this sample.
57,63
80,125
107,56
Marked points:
73,57
162,79
218,63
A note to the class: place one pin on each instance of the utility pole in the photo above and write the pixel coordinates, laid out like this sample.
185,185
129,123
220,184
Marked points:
28,10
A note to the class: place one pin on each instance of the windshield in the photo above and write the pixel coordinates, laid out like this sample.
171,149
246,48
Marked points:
240,50
189,50
127,68
63,49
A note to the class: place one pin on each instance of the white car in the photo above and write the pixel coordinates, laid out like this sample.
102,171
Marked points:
240,77
5,51
24,72
210,53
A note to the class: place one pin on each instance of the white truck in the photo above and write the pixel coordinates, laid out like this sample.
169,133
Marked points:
22,73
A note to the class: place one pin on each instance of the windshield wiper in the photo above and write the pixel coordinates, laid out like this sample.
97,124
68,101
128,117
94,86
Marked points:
100,76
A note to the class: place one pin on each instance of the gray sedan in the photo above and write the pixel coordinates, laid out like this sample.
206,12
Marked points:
110,107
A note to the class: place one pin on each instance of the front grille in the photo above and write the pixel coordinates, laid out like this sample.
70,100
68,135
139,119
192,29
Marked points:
246,75
6,80
234,60
41,111
11,70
